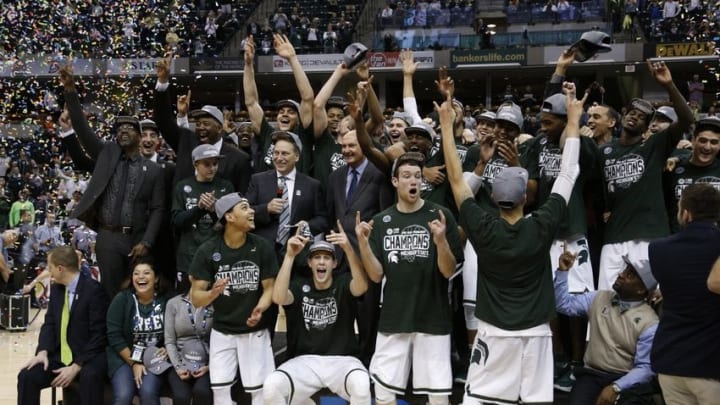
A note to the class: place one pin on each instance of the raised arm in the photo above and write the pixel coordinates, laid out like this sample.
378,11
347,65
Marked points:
662,75
358,284
201,296
255,112
453,167
285,50
569,167
370,263
319,112
281,294
376,115
408,68
375,155
87,137
167,124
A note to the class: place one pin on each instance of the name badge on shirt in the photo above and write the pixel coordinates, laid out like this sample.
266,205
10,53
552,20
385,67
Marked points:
137,353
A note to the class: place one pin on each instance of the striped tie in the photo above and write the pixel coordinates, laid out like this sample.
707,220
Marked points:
284,220
65,351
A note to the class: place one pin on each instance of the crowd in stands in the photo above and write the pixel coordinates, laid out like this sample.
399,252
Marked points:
121,29
236,205
672,20
424,14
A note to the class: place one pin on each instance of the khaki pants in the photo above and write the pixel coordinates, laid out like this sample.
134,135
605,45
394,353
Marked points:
689,390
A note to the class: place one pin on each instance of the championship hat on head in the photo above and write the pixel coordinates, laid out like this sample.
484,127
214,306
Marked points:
149,124
154,363
205,151
210,110
422,129
321,245
193,355
642,268
337,102
708,124
288,103
555,105
510,112
643,106
590,44
226,203
354,54
125,119
667,113
485,116
287,136
509,187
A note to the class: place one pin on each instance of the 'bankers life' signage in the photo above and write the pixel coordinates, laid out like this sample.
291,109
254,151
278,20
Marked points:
488,56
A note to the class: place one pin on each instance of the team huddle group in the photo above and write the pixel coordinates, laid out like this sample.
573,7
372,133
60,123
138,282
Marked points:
317,216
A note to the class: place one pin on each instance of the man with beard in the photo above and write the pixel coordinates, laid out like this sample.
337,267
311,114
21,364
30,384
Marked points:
623,324
208,130
124,199
701,167
686,349
245,141
633,170
291,117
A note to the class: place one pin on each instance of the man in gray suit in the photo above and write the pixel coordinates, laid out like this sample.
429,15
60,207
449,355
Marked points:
359,188
125,198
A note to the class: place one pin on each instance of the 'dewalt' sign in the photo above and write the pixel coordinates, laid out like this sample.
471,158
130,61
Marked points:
684,49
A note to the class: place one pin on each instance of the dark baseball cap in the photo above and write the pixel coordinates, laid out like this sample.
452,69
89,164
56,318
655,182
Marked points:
125,119
590,44
666,112
322,246
422,129
288,103
555,105
153,362
194,355
226,203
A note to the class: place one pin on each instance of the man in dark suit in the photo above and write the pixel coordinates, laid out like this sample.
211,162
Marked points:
283,197
304,195
124,200
359,187
71,345
209,128
686,349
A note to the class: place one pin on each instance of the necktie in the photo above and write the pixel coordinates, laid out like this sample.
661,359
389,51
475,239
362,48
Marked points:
65,351
117,209
284,220
353,186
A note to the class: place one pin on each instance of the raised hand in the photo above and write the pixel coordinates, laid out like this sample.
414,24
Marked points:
64,121
283,47
660,72
339,238
508,151
363,70
567,259
362,228
574,106
445,84
446,112
408,64
249,50
437,226
66,77
183,104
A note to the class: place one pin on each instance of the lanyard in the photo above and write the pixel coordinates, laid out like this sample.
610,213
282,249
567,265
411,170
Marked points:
191,315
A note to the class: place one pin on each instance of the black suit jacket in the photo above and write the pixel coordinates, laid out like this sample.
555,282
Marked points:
373,194
308,203
234,168
86,332
148,204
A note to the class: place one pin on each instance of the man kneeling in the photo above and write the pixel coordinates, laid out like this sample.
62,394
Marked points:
325,309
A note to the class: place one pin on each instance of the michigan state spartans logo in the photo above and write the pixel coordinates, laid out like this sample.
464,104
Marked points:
480,353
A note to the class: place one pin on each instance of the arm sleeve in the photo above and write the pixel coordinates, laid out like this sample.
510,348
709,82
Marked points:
569,169
410,108
473,181
570,304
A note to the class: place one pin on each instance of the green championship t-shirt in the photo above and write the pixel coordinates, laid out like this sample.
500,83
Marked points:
633,186
194,225
685,174
542,160
415,296
514,280
304,165
327,157
326,317
245,268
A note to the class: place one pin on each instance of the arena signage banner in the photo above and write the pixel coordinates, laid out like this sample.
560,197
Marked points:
426,59
143,67
682,49
310,63
48,66
488,56
221,64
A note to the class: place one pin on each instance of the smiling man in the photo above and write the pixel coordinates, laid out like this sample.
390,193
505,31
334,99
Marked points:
701,167
124,201
632,175
234,271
